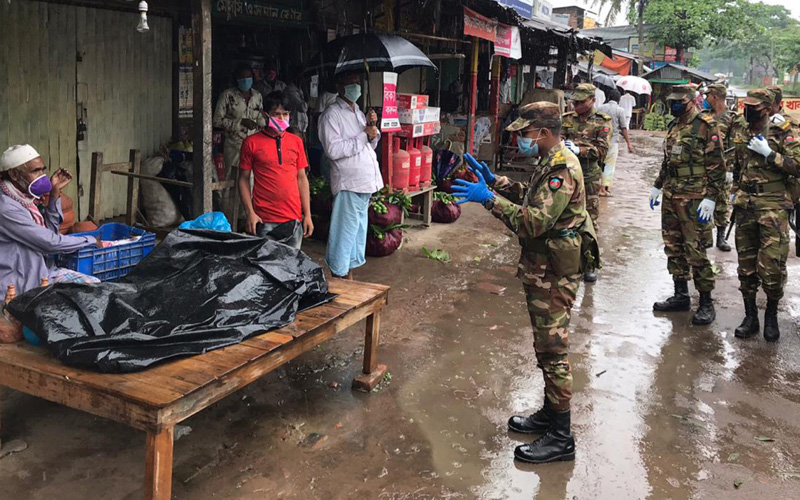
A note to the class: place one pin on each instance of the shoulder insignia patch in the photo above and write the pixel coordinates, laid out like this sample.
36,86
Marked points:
789,138
785,125
555,183
606,129
714,138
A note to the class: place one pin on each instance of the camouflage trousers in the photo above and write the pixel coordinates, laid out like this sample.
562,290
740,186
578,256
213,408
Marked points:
593,188
685,242
721,216
762,242
550,301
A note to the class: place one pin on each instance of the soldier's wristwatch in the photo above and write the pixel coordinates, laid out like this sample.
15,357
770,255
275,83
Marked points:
489,204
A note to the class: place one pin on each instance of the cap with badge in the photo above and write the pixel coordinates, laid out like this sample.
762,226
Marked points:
759,96
716,89
541,114
680,92
582,92
16,156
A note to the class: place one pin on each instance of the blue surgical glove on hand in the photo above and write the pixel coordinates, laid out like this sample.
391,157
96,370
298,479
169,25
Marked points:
655,193
760,146
481,167
573,147
477,192
706,210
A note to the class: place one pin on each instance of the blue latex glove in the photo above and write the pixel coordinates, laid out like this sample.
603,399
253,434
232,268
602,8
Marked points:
706,210
760,146
481,167
477,192
655,193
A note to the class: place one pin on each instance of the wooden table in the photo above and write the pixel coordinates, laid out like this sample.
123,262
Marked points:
157,399
427,203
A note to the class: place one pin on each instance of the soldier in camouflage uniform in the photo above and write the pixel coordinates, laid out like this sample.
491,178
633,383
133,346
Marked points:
715,95
766,159
776,115
549,216
587,133
692,177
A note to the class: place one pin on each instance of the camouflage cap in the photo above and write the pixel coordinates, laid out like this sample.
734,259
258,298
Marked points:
759,96
777,91
583,91
541,114
716,89
680,92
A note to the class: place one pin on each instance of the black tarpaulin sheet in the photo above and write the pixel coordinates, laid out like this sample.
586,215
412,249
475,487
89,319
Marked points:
197,291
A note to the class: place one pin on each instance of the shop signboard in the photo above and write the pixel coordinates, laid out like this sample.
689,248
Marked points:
259,11
523,7
390,121
507,42
479,26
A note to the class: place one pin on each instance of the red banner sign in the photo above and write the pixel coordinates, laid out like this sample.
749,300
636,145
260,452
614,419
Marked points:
390,117
479,26
507,41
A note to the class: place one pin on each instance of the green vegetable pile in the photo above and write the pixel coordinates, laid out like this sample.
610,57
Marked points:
318,185
380,232
379,207
383,197
446,198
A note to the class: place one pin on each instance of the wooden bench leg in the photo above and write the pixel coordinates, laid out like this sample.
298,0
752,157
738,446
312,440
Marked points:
158,475
427,203
372,373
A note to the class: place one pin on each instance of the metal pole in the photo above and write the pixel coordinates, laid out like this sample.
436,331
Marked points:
473,94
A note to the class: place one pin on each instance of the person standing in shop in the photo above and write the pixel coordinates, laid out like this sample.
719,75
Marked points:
239,113
349,139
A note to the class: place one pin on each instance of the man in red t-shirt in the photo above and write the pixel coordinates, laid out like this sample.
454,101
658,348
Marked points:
280,207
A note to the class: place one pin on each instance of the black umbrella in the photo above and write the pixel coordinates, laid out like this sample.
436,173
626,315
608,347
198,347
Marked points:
367,52
604,80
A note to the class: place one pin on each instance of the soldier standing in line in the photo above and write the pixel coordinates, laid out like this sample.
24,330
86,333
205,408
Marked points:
587,133
776,110
692,177
715,96
766,160
549,216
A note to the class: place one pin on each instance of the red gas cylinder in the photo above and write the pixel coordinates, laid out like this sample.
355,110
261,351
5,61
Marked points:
401,166
427,164
416,165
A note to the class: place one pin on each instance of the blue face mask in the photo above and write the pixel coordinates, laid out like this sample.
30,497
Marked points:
352,92
678,109
706,105
525,147
245,84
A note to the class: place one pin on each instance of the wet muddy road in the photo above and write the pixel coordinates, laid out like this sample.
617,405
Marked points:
662,409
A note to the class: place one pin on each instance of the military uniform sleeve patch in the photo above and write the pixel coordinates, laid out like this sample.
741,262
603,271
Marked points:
790,138
555,183
714,138
606,129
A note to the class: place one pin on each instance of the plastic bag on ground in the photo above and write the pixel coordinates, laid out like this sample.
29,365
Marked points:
445,213
214,221
197,291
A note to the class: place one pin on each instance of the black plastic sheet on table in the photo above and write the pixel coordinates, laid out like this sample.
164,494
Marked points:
197,291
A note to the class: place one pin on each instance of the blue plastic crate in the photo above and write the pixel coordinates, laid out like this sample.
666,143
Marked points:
110,264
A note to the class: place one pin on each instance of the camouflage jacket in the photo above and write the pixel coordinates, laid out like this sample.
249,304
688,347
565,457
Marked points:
693,167
553,200
725,121
762,182
594,138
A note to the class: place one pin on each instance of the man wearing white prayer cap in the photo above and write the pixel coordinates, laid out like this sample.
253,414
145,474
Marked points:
29,227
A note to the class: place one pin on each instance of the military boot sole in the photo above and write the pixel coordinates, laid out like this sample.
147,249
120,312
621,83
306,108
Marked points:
565,457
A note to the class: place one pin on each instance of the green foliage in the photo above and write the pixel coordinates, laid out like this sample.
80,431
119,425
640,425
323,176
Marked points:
684,24
446,198
437,254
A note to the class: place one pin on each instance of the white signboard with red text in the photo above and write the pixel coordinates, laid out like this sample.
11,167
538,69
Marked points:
390,117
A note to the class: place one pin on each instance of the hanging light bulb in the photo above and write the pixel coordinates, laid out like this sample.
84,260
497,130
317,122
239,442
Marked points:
143,27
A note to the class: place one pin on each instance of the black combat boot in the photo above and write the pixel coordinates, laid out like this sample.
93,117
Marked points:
771,331
750,325
538,423
556,445
705,314
678,302
590,276
722,243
